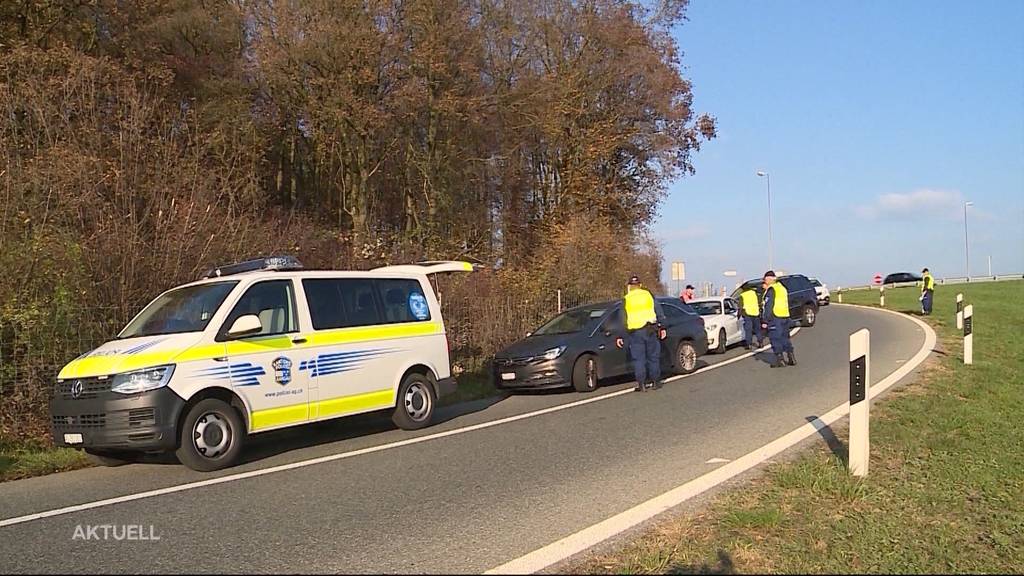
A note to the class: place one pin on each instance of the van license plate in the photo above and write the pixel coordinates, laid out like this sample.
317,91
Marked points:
508,376
72,438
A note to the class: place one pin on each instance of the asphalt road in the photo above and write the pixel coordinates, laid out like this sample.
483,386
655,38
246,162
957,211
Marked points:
461,503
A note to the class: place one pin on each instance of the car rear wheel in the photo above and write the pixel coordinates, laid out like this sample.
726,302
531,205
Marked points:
416,400
685,360
584,374
212,436
809,316
722,342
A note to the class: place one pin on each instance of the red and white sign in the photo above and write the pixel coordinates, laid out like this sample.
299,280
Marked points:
878,278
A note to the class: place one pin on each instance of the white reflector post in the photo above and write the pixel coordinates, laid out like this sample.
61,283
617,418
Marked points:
840,290
881,296
969,334
959,311
860,357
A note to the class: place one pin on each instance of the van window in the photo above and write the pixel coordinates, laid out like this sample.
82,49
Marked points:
273,301
403,300
342,302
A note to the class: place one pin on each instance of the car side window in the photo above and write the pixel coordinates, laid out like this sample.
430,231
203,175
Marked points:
273,302
730,306
674,313
403,300
613,323
342,302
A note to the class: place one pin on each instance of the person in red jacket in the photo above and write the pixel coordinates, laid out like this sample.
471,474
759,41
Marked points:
687,294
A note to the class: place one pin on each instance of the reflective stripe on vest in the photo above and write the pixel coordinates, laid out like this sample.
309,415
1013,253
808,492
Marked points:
929,282
781,307
749,300
640,309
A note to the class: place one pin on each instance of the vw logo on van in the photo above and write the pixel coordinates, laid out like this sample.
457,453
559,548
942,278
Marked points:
77,388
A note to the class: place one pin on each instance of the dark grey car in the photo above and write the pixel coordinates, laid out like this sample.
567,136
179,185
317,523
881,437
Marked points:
577,348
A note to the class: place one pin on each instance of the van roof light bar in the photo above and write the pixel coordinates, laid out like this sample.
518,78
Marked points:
270,263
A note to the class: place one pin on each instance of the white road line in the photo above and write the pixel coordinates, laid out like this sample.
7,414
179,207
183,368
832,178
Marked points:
588,537
717,461
331,458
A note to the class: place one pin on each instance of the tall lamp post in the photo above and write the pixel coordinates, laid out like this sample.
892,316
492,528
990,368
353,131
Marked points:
967,244
769,179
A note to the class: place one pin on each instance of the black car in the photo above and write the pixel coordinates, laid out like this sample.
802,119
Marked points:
901,277
577,348
803,299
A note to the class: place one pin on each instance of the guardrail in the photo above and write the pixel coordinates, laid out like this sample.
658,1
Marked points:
939,281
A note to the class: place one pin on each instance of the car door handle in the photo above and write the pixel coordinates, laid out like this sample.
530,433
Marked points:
601,347
299,340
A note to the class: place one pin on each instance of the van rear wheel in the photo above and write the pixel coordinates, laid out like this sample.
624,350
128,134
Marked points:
416,401
212,436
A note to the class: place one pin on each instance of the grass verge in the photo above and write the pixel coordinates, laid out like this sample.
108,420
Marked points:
22,460
945,491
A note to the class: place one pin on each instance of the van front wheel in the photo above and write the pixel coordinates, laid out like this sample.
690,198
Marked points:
415,403
211,436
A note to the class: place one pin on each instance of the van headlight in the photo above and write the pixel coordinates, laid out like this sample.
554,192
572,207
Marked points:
142,380
554,353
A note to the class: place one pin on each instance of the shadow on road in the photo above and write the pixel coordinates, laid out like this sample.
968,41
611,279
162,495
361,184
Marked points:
834,443
723,566
270,444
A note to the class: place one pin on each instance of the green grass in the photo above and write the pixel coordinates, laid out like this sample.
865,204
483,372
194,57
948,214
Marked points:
946,486
23,460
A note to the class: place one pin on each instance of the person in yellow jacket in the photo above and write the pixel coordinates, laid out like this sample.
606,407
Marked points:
927,291
750,311
643,317
775,314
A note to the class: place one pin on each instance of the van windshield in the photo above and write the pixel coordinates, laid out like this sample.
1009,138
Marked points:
187,309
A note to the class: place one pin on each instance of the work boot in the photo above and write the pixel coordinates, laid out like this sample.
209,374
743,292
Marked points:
656,385
640,388
779,363
792,359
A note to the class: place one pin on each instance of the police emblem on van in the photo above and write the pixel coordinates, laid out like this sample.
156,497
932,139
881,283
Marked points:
282,370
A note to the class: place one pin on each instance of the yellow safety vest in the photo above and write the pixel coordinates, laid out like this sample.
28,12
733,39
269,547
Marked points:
749,300
640,309
929,282
781,307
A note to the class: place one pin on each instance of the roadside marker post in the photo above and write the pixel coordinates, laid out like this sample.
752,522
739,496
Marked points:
959,311
969,334
881,296
860,355
839,290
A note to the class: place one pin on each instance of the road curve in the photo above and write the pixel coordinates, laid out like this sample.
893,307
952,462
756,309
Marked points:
465,502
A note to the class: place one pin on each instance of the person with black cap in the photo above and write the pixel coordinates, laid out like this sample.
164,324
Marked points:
687,294
643,316
775,312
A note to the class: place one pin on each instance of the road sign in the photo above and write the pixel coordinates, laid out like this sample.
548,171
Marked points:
878,278
678,271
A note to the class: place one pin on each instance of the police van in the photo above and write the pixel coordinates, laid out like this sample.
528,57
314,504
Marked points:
253,347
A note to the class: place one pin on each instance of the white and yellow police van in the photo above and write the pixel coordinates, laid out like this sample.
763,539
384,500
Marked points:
258,346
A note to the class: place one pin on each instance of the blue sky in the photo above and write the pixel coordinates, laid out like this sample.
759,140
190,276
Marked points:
876,120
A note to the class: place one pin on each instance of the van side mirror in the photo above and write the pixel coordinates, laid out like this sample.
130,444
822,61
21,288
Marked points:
245,326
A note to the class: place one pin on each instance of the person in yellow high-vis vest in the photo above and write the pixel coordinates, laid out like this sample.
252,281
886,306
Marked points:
927,291
643,328
775,313
750,311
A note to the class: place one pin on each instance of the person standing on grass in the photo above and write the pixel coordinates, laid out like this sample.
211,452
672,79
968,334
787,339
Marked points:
643,328
775,313
927,291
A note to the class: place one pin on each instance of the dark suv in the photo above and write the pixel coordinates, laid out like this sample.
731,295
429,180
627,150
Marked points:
803,300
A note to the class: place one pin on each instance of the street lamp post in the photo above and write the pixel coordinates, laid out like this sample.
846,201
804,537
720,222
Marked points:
967,244
769,179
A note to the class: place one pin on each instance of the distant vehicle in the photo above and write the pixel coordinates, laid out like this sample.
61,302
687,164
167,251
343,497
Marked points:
901,278
824,296
721,321
577,348
803,300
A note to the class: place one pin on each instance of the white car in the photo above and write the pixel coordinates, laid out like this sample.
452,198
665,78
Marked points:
822,291
722,321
